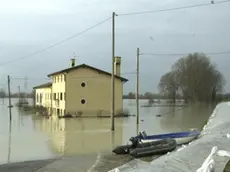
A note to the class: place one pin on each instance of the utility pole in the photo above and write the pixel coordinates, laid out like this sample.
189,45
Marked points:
113,78
19,105
9,96
9,143
137,86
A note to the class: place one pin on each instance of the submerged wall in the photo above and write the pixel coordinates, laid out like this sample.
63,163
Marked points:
191,157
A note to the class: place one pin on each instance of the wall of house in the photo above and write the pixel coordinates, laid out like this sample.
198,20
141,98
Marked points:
58,94
96,93
43,97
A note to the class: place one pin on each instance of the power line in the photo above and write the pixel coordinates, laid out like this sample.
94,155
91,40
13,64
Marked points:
103,21
174,9
58,43
184,54
23,78
80,77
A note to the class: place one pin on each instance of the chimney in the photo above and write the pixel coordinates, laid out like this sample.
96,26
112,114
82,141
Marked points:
117,66
72,62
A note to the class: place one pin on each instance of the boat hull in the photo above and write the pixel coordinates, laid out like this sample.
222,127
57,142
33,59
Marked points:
164,147
149,147
180,137
179,141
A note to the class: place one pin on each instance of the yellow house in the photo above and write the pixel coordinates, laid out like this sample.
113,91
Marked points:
44,95
84,90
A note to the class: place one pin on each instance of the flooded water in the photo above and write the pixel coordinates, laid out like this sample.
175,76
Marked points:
34,137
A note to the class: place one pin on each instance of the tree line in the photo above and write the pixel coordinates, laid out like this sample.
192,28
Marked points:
3,94
195,78
147,95
192,78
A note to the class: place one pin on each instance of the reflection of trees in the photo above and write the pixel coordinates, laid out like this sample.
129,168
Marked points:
192,116
167,117
79,135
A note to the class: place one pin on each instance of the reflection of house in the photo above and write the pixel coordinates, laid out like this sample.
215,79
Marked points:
81,90
81,135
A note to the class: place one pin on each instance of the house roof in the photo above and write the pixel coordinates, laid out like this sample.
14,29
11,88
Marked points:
89,67
49,84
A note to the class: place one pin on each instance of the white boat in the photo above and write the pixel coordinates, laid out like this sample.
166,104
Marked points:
180,137
179,141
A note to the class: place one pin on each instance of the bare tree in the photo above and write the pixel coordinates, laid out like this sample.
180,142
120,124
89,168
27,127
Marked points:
168,85
197,78
2,93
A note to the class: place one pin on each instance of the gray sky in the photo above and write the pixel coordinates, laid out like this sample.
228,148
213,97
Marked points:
28,26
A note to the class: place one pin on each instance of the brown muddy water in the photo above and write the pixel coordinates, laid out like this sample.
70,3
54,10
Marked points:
32,137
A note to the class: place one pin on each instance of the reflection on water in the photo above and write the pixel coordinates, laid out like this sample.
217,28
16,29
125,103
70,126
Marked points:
80,135
34,137
9,143
180,119
24,143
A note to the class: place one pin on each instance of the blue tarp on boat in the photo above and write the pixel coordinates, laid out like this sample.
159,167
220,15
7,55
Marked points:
172,135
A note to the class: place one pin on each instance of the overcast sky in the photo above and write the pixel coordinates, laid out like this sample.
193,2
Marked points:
27,26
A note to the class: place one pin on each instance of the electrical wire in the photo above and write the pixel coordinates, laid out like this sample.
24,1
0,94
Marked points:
184,54
174,9
57,43
73,77
21,78
105,20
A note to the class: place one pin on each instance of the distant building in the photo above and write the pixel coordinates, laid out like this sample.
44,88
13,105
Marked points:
81,90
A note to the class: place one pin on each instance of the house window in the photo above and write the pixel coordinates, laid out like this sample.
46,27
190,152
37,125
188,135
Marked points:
83,84
40,97
83,101
37,98
54,79
60,96
54,96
